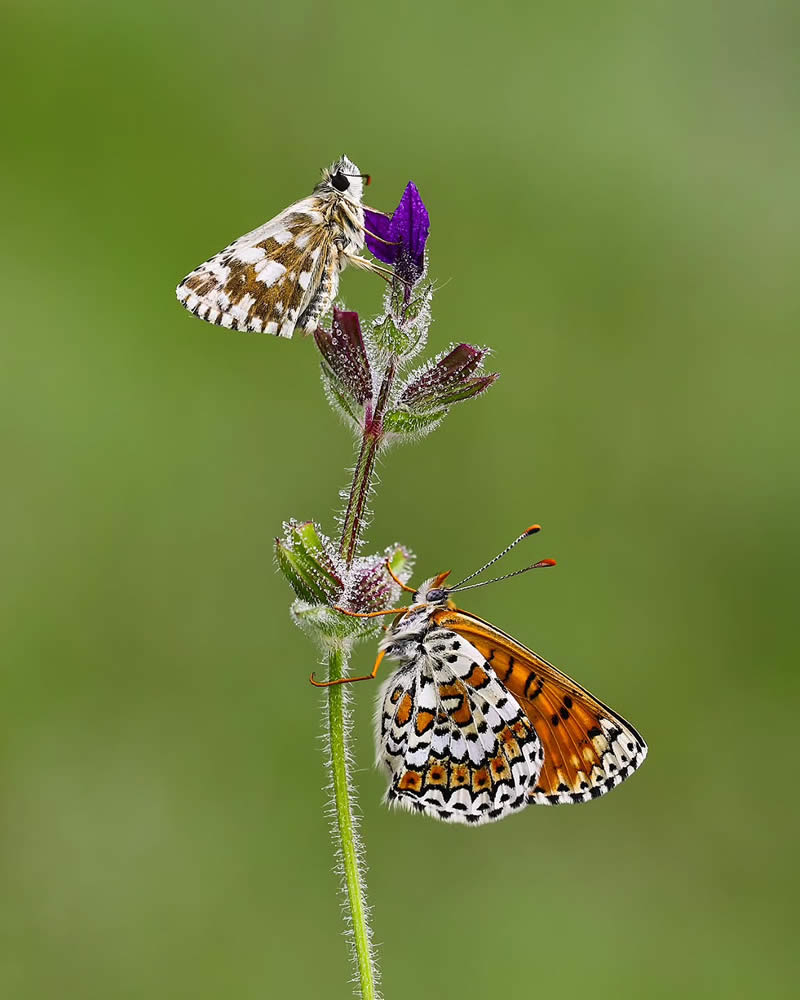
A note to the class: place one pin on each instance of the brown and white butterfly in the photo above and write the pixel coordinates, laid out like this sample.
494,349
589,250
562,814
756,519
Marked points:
473,725
285,274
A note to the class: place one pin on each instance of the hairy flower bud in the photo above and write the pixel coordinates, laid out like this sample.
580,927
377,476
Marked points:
310,563
345,364
430,391
447,379
371,587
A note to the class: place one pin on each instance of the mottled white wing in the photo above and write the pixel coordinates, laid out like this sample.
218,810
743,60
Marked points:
456,744
281,275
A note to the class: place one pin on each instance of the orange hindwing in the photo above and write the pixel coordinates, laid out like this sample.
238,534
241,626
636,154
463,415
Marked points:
588,748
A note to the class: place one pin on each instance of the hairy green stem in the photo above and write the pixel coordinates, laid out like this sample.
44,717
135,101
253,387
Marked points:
343,794
338,717
371,440
359,493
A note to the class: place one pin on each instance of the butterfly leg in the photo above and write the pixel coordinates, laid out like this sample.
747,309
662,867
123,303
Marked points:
369,614
350,680
370,265
380,239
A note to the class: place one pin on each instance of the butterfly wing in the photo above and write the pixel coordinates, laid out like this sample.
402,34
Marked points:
588,748
282,275
456,744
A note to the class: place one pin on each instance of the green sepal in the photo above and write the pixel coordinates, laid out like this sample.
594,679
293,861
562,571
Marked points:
389,338
412,423
305,557
344,406
330,626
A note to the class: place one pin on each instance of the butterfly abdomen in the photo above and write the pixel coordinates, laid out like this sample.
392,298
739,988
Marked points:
327,285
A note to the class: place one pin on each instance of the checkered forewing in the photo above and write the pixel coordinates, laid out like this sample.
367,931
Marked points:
280,276
455,741
588,748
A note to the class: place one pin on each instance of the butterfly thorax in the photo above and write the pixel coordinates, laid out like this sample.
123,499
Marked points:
346,221
343,211
410,627
403,639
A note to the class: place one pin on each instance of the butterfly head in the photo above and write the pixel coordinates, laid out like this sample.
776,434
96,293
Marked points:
433,591
344,178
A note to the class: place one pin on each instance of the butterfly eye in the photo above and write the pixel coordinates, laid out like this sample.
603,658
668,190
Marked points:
340,182
435,595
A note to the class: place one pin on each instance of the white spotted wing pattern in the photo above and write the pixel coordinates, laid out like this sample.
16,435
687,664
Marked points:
285,274
457,745
473,726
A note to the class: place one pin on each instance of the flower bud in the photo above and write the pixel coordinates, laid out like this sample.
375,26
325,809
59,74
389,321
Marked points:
345,360
430,391
309,562
371,588
448,379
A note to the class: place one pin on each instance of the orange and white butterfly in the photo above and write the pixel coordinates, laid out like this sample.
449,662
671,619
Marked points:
285,274
474,726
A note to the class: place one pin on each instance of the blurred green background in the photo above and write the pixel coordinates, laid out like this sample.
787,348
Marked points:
614,201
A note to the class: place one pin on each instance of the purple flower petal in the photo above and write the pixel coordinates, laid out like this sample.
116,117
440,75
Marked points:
379,225
410,221
401,238
410,225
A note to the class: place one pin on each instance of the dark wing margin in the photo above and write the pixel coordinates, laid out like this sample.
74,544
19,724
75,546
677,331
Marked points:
588,748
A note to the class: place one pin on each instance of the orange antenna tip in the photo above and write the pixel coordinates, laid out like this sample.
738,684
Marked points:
525,534
544,562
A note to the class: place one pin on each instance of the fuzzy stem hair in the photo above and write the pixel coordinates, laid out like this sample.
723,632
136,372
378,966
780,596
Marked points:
345,831
347,842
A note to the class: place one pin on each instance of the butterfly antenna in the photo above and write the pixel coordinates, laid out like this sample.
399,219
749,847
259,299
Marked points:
507,576
528,531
